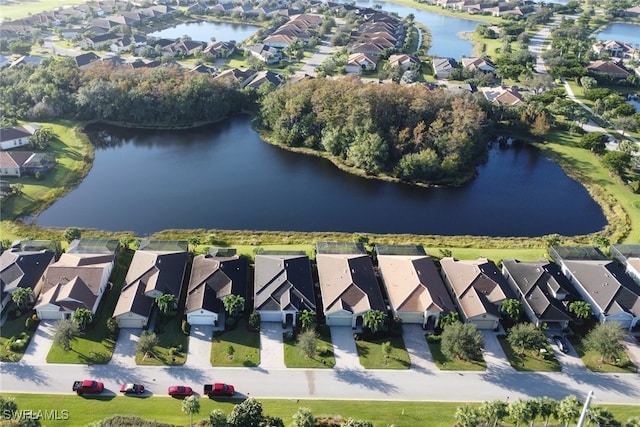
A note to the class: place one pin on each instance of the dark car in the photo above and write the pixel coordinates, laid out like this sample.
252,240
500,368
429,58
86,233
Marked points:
131,388
561,343
179,391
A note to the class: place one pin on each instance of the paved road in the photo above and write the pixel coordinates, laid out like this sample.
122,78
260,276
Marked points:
421,383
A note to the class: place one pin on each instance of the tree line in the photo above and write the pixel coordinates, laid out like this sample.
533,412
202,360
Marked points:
407,132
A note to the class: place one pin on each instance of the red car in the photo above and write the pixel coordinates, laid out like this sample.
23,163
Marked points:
131,388
219,389
180,391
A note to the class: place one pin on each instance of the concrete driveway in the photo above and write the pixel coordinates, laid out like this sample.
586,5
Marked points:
344,348
40,344
199,352
417,347
493,353
125,352
271,345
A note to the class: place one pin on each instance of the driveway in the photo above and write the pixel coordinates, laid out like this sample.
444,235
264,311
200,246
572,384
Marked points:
632,346
199,352
125,352
344,348
417,347
40,344
271,346
570,362
493,353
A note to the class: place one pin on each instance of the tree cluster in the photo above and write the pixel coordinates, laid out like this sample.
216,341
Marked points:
411,133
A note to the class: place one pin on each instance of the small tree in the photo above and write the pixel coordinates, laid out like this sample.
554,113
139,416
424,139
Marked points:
190,406
493,411
513,308
71,234
166,303
22,297
146,343
112,326
581,309
308,343
448,319
233,305
254,320
526,337
82,317
64,332
466,416
387,348
217,418
520,410
462,341
246,414
303,418
374,320
308,319
568,410
606,340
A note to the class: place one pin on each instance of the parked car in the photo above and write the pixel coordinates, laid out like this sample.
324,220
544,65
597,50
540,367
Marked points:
131,388
179,391
87,386
219,389
561,343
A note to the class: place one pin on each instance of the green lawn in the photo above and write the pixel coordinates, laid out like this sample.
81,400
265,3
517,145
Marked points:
591,360
170,336
83,411
293,358
245,343
447,364
528,361
95,346
371,355
11,328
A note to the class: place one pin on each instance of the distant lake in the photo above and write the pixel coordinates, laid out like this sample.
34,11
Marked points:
445,30
622,32
223,176
203,31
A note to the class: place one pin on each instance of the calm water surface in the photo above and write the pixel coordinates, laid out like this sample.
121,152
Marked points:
622,32
203,31
224,176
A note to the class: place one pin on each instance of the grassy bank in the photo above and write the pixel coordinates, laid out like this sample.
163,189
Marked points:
83,411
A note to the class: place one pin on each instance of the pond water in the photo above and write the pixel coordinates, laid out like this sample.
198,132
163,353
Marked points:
622,32
224,176
203,31
446,31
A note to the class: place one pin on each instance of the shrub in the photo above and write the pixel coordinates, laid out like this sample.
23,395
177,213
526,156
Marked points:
114,329
29,324
186,327
254,321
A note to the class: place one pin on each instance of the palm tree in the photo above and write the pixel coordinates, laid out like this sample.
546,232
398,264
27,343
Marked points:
374,320
308,319
22,297
581,309
166,303
466,416
568,410
191,405
547,407
82,317
494,410
513,308
233,304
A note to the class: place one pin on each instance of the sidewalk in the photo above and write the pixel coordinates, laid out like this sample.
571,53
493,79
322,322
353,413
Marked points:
271,345
40,344
344,348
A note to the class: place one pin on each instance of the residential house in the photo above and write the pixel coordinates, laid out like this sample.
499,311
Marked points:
416,291
613,296
28,60
77,280
607,68
542,290
263,77
348,283
157,268
22,267
214,277
629,257
16,136
442,67
503,96
476,63
240,77
100,42
478,289
633,12
204,69
127,43
404,61
85,59
20,163
283,286
219,49
265,53
359,62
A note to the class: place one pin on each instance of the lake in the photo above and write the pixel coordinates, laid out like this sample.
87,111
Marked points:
445,30
224,176
203,31
622,32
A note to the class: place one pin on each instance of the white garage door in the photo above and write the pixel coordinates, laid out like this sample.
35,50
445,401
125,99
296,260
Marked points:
270,316
131,323
484,324
340,320
201,319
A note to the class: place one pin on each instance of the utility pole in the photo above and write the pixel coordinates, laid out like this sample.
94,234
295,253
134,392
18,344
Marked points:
585,409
